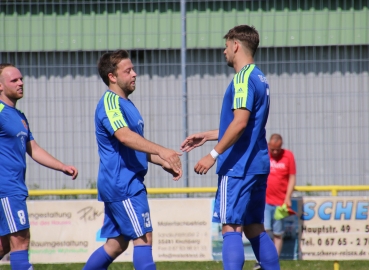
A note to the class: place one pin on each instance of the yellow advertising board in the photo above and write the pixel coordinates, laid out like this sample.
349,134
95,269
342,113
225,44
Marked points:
334,228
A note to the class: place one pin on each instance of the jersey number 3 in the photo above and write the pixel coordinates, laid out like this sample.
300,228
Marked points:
146,218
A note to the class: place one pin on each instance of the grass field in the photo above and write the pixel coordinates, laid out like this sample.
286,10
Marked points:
285,265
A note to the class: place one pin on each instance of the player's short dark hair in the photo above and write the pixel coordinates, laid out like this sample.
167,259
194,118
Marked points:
108,63
247,35
4,65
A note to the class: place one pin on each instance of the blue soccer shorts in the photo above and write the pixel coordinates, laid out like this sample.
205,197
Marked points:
13,215
270,224
240,200
129,218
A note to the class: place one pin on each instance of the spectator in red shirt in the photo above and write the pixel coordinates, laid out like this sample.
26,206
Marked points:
280,185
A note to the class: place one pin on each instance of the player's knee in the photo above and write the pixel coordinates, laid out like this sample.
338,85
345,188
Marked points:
145,239
253,230
20,240
115,246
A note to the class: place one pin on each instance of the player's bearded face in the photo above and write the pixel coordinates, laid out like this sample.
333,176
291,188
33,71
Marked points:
126,76
228,53
11,83
126,85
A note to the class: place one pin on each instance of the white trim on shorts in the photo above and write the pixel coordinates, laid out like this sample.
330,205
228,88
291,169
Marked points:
132,216
223,200
9,215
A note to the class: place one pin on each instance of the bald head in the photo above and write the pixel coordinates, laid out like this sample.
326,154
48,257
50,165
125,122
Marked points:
5,68
4,65
275,145
275,137
11,84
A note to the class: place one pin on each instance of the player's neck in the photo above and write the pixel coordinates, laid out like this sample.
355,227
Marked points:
119,92
7,101
244,61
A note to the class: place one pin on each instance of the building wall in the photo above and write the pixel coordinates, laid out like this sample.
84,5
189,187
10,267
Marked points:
314,54
107,25
319,104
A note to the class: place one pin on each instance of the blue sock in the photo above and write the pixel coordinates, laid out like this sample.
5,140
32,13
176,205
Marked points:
265,252
99,260
19,260
142,258
232,251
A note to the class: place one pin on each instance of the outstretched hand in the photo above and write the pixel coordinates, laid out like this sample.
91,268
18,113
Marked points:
172,158
204,164
176,175
70,170
193,141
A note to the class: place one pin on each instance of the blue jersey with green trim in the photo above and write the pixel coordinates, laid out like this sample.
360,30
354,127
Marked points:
121,169
14,136
249,90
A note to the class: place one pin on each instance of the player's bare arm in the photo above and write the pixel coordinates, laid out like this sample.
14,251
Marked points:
290,188
137,142
42,157
231,136
198,139
234,130
155,159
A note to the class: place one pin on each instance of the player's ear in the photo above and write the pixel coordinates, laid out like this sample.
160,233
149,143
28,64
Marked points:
112,77
236,45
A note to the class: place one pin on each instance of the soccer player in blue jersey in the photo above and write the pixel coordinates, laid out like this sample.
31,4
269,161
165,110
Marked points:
15,141
242,154
124,156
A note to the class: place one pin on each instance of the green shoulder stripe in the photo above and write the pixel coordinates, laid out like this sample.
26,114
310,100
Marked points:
241,86
111,105
1,107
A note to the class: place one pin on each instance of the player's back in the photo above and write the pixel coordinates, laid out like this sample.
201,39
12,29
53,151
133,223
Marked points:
259,158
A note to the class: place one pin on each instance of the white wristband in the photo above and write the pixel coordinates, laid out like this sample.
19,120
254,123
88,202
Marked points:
214,154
